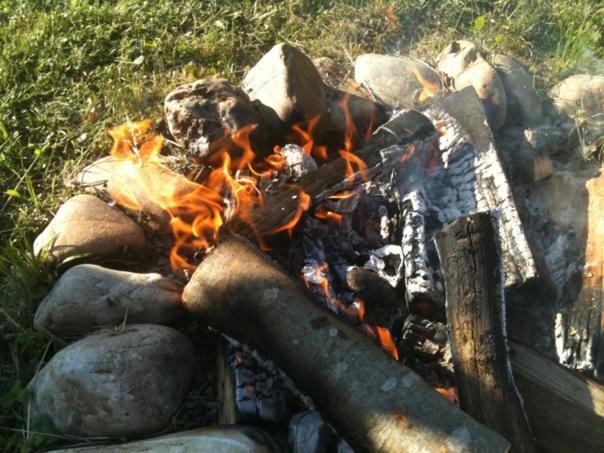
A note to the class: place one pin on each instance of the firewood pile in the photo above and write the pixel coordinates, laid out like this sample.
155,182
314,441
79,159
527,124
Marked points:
414,266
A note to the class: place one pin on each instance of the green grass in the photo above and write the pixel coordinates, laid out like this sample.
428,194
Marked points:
71,69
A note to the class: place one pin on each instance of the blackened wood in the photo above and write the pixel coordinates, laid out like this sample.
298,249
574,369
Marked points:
470,260
565,409
382,150
249,392
376,403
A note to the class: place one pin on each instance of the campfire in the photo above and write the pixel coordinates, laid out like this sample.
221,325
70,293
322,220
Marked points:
364,267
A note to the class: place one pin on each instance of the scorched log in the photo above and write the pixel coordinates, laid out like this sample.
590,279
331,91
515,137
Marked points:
374,402
384,149
469,256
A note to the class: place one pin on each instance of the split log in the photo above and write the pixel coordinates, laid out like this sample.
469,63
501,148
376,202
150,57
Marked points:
384,149
374,402
463,119
475,314
565,409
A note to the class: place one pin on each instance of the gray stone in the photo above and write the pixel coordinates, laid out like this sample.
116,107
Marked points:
86,226
524,106
111,176
202,115
485,80
581,95
88,296
396,80
456,57
366,115
287,81
115,383
222,439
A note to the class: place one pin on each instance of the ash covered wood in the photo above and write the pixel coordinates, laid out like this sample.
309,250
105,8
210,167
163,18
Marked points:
476,320
374,402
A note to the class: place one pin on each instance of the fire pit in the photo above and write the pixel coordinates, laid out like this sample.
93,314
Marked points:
360,261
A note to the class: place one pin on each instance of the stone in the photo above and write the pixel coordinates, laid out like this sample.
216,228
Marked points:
113,177
115,383
397,80
87,227
222,439
88,296
286,81
366,115
524,106
525,161
462,61
202,115
308,433
580,95
456,57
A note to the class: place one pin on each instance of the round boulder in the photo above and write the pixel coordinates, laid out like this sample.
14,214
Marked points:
202,115
456,57
580,95
287,81
485,80
397,80
524,106
86,226
115,383
88,296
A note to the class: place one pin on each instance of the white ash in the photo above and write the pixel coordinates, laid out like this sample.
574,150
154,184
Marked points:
387,262
298,162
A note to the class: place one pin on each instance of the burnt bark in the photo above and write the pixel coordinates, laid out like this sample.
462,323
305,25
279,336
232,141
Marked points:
475,313
374,402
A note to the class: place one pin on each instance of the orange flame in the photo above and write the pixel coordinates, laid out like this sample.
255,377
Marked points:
343,195
303,206
328,215
305,136
386,341
450,393
430,89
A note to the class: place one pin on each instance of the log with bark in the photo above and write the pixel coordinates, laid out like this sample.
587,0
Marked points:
470,260
373,401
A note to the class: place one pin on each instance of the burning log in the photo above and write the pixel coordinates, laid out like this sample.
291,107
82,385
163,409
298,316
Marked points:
374,402
475,313
383,149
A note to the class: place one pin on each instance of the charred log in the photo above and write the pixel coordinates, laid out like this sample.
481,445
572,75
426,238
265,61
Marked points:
475,313
384,149
374,402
